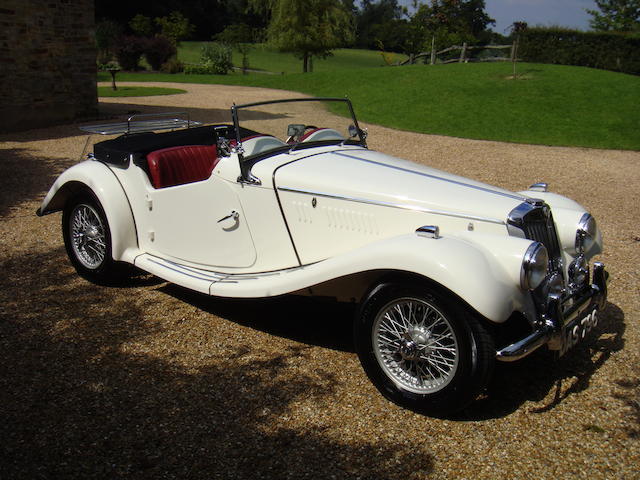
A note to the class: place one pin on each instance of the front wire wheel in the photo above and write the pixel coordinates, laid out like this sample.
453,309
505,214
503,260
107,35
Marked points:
415,345
421,350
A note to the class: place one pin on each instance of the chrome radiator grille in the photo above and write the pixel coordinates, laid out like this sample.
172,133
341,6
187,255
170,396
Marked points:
535,222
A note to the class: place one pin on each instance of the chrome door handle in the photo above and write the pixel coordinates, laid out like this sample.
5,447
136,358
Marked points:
235,215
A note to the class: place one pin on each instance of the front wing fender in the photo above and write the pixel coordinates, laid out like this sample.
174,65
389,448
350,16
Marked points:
484,272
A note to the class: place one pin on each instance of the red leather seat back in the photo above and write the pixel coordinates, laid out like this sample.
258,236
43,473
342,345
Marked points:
179,165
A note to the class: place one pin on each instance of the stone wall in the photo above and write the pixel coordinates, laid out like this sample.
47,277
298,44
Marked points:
47,62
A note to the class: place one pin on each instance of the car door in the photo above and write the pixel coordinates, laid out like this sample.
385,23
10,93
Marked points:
201,223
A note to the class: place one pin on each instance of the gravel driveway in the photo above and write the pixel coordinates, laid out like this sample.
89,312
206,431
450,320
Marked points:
152,381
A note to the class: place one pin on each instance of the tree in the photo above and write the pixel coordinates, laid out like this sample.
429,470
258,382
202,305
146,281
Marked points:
141,25
241,37
380,21
455,21
175,27
309,28
616,15
107,34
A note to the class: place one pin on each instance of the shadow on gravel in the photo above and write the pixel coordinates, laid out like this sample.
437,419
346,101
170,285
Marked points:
24,178
312,321
328,324
113,111
90,388
535,376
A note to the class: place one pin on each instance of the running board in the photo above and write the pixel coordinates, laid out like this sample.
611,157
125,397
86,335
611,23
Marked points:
222,284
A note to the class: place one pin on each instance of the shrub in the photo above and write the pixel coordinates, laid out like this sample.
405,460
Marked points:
608,51
173,65
158,50
128,51
198,69
217,57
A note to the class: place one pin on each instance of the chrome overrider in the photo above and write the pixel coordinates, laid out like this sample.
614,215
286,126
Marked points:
559,317
566,308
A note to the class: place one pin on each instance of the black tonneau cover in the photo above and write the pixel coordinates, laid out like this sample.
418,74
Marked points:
117,150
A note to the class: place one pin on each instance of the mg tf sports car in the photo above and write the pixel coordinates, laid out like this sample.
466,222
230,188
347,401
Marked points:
449,274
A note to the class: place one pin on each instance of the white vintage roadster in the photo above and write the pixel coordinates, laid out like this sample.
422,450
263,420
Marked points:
449,274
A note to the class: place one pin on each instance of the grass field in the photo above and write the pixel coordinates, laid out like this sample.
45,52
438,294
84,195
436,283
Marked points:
548,104
265,58
137,91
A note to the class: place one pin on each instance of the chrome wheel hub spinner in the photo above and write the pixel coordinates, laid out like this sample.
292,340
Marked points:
88,238
415,345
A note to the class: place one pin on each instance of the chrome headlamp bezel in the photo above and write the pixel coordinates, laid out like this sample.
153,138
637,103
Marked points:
586,233
535,266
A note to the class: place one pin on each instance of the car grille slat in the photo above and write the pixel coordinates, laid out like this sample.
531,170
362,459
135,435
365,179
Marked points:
536,223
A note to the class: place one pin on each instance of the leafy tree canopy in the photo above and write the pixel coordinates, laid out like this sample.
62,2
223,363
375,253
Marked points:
616,15
455,21
310,27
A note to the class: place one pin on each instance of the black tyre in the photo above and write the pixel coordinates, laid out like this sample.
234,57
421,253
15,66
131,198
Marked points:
87,239
421,350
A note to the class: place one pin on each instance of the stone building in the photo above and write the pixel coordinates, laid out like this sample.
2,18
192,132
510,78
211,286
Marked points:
47,62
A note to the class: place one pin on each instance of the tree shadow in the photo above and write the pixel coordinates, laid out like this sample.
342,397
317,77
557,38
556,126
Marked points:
329,325
121,111
535,376
24,178
91,387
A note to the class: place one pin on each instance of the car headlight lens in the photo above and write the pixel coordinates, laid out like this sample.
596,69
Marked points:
535,266
586,233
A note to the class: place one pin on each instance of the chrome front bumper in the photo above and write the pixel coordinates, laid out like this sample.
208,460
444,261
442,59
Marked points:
562,328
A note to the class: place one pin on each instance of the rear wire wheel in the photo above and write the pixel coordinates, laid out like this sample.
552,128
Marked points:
87,239
421,350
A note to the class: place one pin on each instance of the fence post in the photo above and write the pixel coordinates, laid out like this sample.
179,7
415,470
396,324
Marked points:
433,50
463,52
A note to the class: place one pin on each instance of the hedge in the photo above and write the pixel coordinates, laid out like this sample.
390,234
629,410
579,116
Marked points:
608,51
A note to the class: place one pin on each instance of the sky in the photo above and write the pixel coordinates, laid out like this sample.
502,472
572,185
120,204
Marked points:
566,13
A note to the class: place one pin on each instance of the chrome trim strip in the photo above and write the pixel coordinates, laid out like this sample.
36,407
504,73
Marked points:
212,276
428,175
181,272
392,205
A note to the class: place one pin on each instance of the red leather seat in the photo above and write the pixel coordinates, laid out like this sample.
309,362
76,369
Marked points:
179,165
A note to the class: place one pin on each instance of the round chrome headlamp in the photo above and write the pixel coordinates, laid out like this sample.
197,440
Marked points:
586,233
535,266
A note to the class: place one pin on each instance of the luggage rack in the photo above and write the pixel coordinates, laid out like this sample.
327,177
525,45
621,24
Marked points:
138,124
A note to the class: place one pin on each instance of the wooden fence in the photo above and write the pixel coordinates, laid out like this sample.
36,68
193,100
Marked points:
464,54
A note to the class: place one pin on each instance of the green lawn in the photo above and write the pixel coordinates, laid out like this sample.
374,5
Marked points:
262,57
137,91
550,104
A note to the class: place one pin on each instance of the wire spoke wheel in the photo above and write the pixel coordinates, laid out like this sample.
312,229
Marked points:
88,237
415,344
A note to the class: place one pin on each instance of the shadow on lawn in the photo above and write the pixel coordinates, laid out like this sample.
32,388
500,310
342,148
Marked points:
80,398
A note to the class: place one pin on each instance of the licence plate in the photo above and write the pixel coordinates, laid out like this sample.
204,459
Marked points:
576,330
